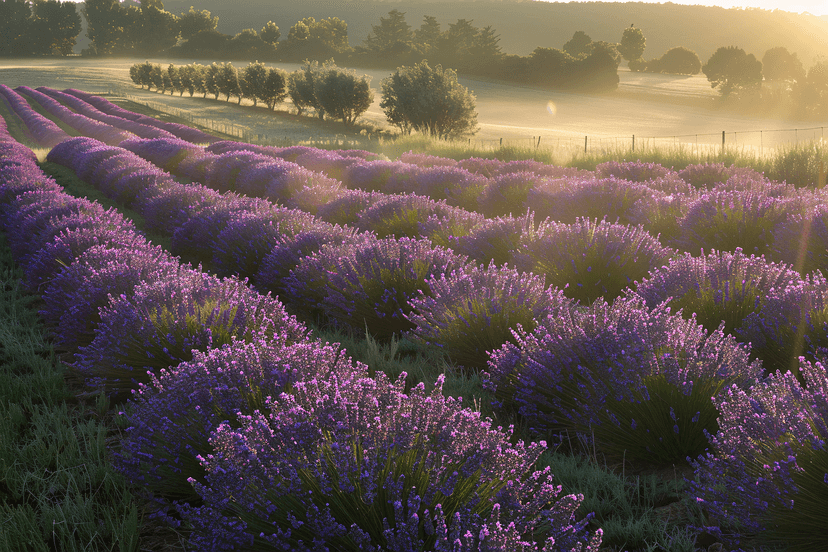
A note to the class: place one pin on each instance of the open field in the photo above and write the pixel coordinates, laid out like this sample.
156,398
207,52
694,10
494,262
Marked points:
657,109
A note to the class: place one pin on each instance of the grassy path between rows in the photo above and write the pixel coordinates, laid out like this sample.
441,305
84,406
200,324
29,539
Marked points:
58,490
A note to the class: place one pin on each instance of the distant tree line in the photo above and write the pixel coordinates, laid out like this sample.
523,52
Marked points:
38,28
418,98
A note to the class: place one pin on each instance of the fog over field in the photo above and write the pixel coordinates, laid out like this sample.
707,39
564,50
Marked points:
645,105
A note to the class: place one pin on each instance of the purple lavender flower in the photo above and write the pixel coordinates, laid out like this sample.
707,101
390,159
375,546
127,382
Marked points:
506,194
457,186
329,163
248,237
45,132
162,322
727,220
580,368
764,481
195,239
801,240
72,298
400,215
425,160
290,249
591,259
468,313
165,153
345,209
721,287
481,166
495,240
170,205
446,231
635,171
372,176
359,465
705,175
172,417
221,175
311,198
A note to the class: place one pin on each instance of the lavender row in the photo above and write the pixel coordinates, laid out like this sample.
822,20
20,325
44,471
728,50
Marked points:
81,123
42,130
87,110
183,132
586,259
643,375
193,463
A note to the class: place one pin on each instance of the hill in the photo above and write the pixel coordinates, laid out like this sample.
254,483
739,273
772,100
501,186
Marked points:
523,26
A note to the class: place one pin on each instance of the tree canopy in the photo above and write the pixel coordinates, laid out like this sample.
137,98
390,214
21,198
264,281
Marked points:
732,70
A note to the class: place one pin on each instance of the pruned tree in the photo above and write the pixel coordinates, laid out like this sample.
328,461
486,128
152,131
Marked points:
275,87
429,100
211,79
252,81
732,70
677,61
343,95
227,81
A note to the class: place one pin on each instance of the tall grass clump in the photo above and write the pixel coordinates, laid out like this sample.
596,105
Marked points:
802,164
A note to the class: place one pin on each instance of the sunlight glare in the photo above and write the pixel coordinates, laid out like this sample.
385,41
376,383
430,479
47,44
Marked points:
551,108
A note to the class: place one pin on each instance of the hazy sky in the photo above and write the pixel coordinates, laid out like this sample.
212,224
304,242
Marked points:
815,7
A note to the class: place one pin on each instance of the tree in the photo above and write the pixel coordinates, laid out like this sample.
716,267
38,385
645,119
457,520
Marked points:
677,61
14,23
159,29
391,37
193,22
174,75
275,87
343,95
430,101
578,45
252,81
211,79
632,43
302,86
778,64
485,53
732,70
54,27
428,35
104,25
270,33
227,81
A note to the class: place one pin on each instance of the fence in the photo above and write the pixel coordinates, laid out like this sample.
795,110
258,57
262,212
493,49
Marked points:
756,140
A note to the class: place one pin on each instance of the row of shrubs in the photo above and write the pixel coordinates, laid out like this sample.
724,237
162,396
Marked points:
225,363
327,89
662,358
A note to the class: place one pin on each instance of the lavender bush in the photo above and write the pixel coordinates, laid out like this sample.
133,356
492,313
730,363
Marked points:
468,313
164,321
289,250
495,240
457,186
360,465
765,484
171,418
345,209
626,373
72,299
248,237
591,259
727,220
720,287
506,194
400,215
635,171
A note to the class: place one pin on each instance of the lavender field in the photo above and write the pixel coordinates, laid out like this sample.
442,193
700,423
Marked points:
662,320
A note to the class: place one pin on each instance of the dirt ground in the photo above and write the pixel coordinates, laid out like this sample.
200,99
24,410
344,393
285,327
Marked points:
655,108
